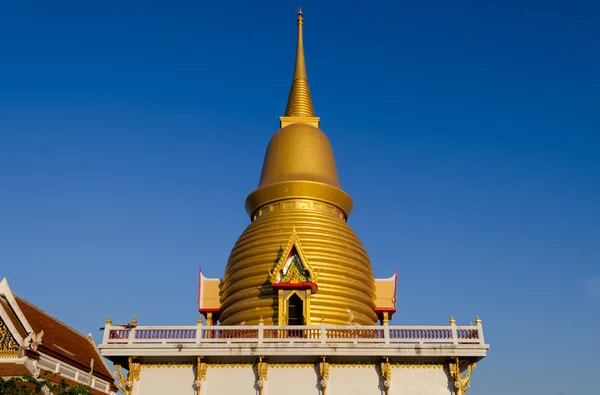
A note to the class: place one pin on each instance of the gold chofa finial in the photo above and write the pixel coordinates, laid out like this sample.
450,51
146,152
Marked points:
299,101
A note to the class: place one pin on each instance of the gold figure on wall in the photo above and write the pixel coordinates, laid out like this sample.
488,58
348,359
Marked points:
262,369
461,383
201,368
125,383
386,375
324,374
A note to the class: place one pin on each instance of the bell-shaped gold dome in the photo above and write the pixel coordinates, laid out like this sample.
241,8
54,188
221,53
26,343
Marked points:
299,198
297,152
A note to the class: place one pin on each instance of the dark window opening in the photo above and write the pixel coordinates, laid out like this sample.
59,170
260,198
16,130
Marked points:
295,310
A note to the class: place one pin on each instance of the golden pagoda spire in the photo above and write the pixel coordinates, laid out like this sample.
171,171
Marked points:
299,197
299,101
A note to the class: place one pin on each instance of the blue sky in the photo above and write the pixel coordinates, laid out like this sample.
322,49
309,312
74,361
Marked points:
467,134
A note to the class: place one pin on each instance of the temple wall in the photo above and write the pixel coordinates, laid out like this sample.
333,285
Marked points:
230,379
354,379
422,380
165,379
296,379
303,380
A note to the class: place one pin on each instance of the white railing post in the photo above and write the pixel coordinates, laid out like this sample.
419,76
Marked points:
323,332
454,332
479,330
107,327
386,333
261,330
199,330
131,336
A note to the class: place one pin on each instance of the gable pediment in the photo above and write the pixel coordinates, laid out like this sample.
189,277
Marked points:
292,266
9,347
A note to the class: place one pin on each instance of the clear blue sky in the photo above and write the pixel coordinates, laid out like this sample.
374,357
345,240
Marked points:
468,134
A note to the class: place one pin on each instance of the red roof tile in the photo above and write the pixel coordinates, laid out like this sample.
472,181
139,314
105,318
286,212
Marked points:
12,369
63,342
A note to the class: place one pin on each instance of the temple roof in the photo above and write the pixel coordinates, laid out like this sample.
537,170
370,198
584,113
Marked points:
59,340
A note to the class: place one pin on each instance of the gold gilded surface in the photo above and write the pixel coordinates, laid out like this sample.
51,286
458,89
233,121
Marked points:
8,345
324,375
167,365
461,383
386,375
299,152
277,274
296,191
262,369
300,102
230,365
346,284
299,187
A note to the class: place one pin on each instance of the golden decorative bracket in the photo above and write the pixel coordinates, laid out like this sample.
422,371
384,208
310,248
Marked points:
324,375
386,375
125,384
262,369
201,368
461,383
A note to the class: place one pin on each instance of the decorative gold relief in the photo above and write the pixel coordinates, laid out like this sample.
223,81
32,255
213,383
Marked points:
295,273
230,365
293,204
122,382
167,365
261,369
134,370
292,267
291,365
125,383
324,375
201,368
386,375
419,365
461,383
352,365
9,348
393,365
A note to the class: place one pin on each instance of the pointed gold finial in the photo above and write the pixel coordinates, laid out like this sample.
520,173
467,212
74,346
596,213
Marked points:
134,321
477,320
199,321
452,320
108,320
299,101
261,320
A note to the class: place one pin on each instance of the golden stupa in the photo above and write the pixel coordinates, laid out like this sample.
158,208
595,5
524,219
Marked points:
298,262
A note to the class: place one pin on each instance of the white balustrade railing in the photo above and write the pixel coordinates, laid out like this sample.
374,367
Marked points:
384,334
